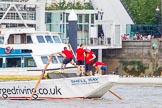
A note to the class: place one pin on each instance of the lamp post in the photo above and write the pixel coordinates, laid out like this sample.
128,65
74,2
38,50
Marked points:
100,14
157,19
157,14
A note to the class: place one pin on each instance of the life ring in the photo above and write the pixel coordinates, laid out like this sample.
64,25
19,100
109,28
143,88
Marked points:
8,49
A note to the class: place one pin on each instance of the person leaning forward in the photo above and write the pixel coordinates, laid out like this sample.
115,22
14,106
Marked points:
101,68
68,57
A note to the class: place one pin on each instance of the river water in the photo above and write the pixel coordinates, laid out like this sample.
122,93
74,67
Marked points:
134,96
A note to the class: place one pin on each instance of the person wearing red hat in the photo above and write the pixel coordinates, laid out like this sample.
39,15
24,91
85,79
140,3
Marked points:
100,67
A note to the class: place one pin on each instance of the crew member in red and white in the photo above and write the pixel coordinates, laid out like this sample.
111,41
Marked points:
100,67
80,54
68,57
90,56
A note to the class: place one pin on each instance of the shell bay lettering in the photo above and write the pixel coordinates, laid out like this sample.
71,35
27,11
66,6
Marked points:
85,81
5,92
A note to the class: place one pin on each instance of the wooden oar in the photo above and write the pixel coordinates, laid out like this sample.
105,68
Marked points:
69,45
120,98
41,76
72,62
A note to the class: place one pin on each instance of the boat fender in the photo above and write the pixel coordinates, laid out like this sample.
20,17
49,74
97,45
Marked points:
8,49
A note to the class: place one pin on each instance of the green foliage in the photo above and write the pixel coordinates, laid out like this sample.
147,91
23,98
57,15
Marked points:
134,68
143,11
69,5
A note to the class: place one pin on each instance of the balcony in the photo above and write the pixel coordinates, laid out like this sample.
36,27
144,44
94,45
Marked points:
96,43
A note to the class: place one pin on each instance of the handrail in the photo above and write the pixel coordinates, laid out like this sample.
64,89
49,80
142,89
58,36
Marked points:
92,41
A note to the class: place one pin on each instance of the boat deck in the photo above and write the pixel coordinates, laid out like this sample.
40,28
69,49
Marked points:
23,74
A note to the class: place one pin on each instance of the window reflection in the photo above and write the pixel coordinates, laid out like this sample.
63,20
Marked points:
86,18
40,39
44,59
60,59
29,62
56,39
49,39
29,39
54,60
1,40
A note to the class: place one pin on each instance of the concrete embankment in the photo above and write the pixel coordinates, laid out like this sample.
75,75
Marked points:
140,80
136,58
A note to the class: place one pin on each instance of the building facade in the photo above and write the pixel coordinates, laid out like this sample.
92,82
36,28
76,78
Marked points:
93,28
90,31
99,29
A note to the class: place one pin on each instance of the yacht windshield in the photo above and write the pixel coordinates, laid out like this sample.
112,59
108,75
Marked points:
40,39
60,59
56,39
44,59
49,39
54,60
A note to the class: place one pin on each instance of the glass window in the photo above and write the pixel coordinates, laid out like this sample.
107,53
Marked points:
44,59
80,28
143,29
67,30
54,60
29,62
1,40
48,17
92,18
80,18
1,62
56,39
13,62
86,27
49,39
29,39
87,18
60,59
40,39
67,17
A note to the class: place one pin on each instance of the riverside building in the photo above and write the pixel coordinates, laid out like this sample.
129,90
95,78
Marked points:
98,28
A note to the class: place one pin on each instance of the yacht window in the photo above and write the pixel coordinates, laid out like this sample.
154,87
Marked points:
44,59
56,39
13,62
40,39
1,40
29,62
26,51
54,60
49,39
29,39
23,38
1,62
60,59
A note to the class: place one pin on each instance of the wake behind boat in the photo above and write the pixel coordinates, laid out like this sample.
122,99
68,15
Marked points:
63,88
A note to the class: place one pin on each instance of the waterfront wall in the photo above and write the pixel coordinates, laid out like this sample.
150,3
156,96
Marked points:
136,58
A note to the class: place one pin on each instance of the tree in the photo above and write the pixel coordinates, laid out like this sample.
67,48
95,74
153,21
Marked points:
70,5
143,11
